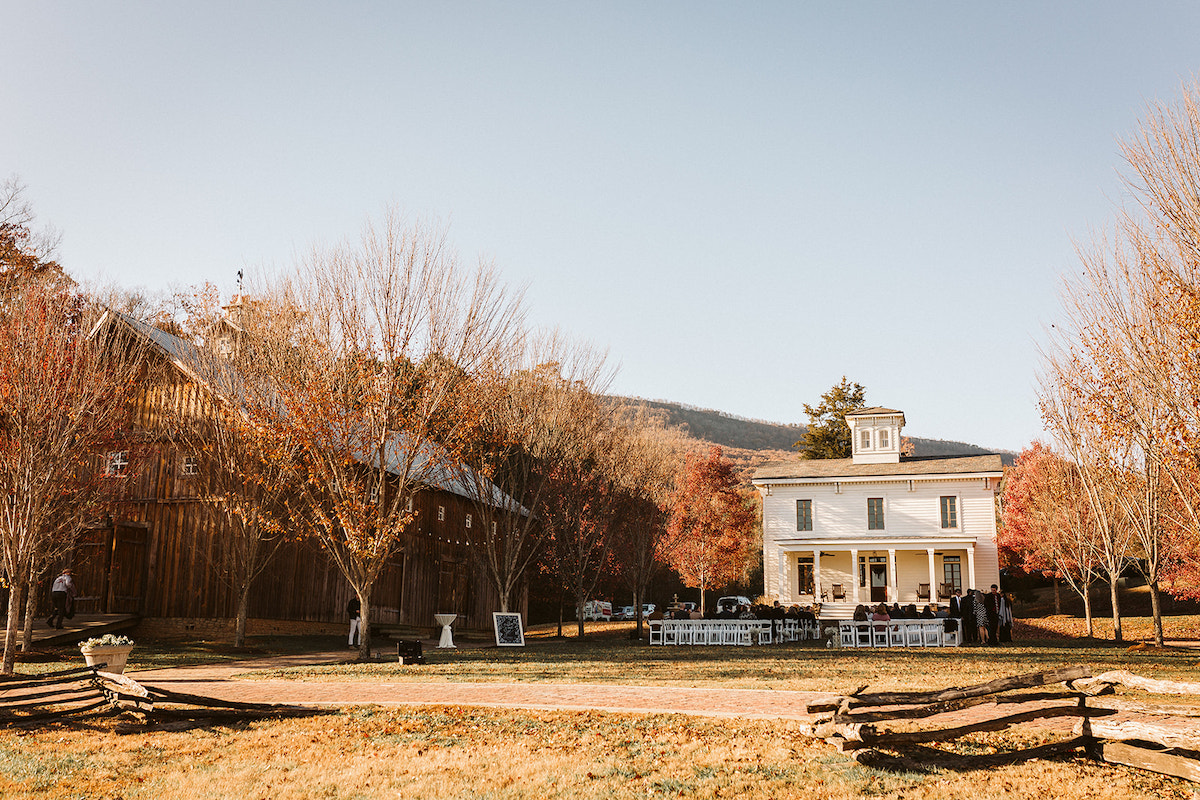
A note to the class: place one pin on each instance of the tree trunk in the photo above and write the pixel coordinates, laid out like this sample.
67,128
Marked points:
1087,608
561,597
1057,598
16,601
243,610
1116,607
364,624
579,600
637,610
702,598
30,613
1156,609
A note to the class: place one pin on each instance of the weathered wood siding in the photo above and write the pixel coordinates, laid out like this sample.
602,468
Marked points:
162,554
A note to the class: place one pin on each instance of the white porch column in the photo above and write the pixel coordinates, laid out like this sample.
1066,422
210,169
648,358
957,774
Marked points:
971,567
893,589
782,592
817,575
932,577
854,575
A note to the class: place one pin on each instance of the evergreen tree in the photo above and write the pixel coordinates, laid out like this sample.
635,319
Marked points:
828,435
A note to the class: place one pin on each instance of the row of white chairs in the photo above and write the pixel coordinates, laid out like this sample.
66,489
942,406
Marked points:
731,631
898,633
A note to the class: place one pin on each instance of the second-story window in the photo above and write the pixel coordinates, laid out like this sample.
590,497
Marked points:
950,512
116,463
804,515
865,441
874,513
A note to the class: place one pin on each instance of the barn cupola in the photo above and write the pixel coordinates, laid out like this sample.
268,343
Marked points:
875,434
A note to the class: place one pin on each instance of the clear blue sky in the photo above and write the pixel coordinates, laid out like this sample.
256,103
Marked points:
742,202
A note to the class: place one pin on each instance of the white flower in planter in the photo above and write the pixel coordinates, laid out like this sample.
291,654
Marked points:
107,640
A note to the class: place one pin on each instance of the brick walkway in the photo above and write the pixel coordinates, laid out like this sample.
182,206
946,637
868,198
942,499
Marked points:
217,681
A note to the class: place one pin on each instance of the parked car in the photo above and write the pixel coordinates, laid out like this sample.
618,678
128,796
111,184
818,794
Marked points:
626,612
648,609
597,611
731,602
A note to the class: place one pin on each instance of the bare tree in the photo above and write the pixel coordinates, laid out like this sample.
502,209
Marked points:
371,384
646,483
525,423
65,397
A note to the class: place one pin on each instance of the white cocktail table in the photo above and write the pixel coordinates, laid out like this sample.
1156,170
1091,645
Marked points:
445,620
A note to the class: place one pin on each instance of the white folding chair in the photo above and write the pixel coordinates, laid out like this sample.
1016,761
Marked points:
879,634
765,632
670,632
931,634
656,631
847,631
914,634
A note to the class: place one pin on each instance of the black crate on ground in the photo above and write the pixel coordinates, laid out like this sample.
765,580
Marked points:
411,651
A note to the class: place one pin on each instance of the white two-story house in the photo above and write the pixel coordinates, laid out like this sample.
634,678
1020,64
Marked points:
878,526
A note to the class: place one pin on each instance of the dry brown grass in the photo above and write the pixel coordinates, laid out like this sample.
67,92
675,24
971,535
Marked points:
485,753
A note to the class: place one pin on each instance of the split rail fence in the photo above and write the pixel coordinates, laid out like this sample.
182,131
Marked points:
1159,738
34,700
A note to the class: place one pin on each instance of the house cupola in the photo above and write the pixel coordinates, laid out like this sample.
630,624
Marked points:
875,435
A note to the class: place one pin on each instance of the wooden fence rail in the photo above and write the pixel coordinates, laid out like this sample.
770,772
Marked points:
57,696
1161,738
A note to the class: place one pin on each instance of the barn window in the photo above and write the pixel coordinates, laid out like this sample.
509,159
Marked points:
468,520
190,466
116,463
441,513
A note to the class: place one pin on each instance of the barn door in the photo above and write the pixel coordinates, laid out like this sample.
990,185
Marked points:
90,566
127,575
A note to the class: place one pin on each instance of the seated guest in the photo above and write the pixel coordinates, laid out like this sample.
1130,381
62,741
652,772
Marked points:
910,611
747,613
927,612
860,614
655,615
881,613
897,612
695,615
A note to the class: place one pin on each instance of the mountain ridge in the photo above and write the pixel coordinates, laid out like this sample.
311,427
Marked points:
760,436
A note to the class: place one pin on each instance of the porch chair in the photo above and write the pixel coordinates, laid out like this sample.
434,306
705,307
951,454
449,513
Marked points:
923,592
839,591
944,591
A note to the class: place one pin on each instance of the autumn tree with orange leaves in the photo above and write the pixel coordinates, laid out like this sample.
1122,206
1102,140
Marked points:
712,521
1125,356
64,400
369,384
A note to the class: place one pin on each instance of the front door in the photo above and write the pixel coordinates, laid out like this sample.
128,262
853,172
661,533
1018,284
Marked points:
879,583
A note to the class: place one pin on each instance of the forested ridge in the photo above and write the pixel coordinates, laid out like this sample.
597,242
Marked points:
740,433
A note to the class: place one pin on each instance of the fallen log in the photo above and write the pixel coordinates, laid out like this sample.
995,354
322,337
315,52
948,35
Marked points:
927,757
869,735
1161,761
1026,681
1097,684
1168,731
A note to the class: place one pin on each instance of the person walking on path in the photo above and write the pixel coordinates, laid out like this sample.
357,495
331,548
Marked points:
62,595
354,609
994,603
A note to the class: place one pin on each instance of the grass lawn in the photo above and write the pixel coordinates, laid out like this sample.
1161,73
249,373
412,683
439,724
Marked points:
450,752
488,753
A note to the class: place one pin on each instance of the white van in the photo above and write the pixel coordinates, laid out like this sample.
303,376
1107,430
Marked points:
597,611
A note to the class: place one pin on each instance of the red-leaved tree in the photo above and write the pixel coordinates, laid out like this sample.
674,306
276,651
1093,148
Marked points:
711,526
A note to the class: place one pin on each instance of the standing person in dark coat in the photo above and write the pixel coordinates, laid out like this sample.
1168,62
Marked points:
992,603
955,603
966,607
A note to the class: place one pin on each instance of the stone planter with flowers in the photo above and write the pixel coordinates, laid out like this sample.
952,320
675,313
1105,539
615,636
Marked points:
109,649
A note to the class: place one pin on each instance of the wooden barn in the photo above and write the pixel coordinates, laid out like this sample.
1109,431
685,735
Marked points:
160,555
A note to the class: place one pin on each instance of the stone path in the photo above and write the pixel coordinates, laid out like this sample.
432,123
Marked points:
217,681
